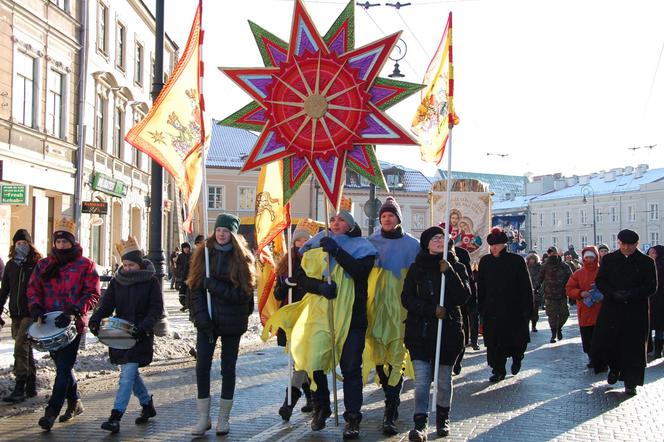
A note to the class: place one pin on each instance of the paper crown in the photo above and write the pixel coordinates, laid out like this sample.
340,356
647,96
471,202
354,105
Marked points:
346,204
130,245
65,225
307,224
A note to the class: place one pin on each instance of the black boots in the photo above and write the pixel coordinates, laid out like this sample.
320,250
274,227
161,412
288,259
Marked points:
442,421
147,411
657,352
113,422
534,327
321,413
285,411
419,433
18,395
390,415
47,421
352,428
74,408
516,365
308,407
31,386
560,333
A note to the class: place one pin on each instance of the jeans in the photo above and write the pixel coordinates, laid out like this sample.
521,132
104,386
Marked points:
64,386
230,346
351,369
130,380
24,361
392,393
423,378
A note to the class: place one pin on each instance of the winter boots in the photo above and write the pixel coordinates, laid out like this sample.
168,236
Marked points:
223,427
534,327
17,395
321,413
389,416
147,411
74,408
419,433
442,421
203,423
113,422
352,428
657,351
560,333
308,407
516,365
286,410
47,421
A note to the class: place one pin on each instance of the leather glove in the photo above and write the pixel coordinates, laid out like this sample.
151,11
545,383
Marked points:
37,313
93,326
328,290
139,334
63,320
444,265
329,245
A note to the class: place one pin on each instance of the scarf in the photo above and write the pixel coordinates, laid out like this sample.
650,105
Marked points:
60,258
225,248
21,253
394,234
135,276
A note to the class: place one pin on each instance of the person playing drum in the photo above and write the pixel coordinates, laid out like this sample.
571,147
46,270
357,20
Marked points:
135,295
68,282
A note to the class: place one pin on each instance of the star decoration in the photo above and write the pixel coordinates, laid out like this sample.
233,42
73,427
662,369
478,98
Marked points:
319,103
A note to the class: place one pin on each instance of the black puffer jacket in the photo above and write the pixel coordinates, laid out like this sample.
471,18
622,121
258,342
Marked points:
231,306
421,296
15,285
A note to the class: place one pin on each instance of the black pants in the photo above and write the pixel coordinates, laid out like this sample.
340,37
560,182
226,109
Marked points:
587,337
392,393
204,351
474,323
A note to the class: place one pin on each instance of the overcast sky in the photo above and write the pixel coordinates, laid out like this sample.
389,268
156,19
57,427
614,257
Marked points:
560,86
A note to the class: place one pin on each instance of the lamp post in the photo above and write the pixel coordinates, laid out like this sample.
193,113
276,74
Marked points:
586,190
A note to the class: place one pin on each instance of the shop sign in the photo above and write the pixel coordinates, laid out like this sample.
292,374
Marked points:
97,207
13,194
108,185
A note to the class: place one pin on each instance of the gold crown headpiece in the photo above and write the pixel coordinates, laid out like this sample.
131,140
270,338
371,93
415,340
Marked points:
307,224
130,245
346,204
65,225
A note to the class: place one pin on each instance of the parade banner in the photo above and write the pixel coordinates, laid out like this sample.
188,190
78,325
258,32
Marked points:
512,225
470,220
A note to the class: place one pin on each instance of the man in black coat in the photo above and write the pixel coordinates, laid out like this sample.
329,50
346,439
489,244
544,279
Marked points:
505,301
626,278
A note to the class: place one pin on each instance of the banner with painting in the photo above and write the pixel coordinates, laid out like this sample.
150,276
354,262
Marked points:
513,227
470,220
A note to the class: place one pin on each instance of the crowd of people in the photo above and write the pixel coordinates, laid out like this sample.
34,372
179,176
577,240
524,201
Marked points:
367,303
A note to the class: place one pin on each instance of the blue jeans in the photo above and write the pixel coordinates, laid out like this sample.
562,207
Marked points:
423,378
230,345
64,386
130,380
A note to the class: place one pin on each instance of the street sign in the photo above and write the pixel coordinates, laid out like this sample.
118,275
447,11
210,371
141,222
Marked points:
13,194
108,185
371,208
96,207
646,247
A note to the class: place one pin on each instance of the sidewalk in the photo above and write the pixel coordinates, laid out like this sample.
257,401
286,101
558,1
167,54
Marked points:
553,398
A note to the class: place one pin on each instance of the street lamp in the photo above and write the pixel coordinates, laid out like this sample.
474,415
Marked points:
586,190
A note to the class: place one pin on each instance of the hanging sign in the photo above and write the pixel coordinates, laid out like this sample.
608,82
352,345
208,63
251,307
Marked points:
96,207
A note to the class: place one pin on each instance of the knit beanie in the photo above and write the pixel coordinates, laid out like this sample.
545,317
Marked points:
348,217
228,221
390,205
185,245
429,233
497,236
301,234
21,235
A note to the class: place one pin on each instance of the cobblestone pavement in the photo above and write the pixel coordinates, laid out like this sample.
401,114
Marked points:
554,397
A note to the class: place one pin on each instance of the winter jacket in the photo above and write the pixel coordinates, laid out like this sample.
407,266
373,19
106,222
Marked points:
538,290
76,285
281,290
15,287
182,266
554,276
581,281
139,302
421,296
657,300
231,306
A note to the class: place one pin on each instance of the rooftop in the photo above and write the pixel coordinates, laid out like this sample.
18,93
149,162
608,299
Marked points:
500,185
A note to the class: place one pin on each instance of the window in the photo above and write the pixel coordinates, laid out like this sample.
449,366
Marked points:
584,240
151,79
118,133
55,104
614,215
352,178
569,241
600,239
654,238
653,212
135,153
568,218
24,101
554,218
100,121
614,241
62,4
102,28
584,216
554,241
418,221
138,65
246,198
598,216
393,181
631,214
216,197
540,243
120,46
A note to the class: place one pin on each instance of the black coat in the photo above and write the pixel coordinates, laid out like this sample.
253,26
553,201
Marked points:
505,301
281,290
231,306
15,286
421,296
622,326
657,300
140,303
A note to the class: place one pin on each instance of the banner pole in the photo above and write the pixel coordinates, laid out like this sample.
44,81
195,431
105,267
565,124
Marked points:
290,301
330,320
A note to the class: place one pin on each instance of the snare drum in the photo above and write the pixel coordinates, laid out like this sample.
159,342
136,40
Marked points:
45,336
116,333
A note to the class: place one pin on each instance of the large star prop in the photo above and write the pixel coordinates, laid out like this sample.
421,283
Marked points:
319,103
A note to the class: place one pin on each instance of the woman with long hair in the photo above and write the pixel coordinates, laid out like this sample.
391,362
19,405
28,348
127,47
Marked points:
231,289
23,258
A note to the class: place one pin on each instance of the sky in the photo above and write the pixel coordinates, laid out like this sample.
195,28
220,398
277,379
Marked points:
563,86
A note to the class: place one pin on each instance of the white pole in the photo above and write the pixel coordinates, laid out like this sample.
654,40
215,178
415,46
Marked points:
439,333
290,301
330,320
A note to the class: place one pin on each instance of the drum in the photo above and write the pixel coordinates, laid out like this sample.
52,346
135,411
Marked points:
45,336
116,333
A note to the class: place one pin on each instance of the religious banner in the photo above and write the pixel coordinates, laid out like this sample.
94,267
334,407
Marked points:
512,225
470,220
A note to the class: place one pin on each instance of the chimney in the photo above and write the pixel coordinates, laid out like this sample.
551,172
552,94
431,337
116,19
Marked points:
609,176
584,179
572,181
629,170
